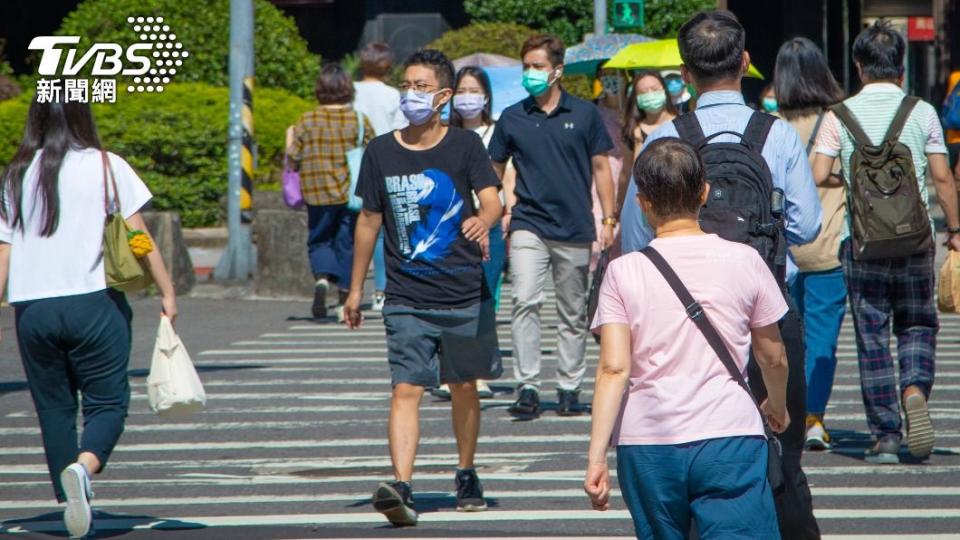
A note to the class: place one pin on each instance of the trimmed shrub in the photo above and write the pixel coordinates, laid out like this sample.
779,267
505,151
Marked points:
485,37
177,141
566,19
282,58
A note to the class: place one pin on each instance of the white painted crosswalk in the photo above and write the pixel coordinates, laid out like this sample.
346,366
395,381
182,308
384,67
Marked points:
294,436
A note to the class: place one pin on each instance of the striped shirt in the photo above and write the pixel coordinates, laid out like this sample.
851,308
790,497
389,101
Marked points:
321,141
874,108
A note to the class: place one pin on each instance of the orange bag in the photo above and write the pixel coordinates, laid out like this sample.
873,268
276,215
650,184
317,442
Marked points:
948,292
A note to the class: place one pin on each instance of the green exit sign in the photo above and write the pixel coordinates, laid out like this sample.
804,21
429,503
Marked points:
627,13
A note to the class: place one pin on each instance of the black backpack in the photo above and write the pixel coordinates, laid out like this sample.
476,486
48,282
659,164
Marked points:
887,211
743,206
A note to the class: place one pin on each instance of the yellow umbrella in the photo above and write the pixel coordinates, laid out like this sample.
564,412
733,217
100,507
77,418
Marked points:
660,54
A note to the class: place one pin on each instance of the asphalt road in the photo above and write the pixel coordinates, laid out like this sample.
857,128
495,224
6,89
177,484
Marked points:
293,442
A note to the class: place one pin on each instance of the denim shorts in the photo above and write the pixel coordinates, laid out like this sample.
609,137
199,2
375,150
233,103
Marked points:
429,347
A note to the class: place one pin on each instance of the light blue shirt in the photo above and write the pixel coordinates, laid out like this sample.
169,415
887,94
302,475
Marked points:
783,152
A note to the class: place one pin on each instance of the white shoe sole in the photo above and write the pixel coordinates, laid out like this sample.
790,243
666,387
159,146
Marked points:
817,444
388,502
77,516
920,438
472,507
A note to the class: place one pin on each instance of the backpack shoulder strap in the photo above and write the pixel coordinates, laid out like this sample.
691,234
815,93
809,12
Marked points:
900,120
758,128
689,129
360,133
849,121
813,134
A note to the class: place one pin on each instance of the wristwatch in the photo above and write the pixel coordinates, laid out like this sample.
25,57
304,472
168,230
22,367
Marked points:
953,231
610,221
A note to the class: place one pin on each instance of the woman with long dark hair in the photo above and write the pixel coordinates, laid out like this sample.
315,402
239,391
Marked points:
73,331
472,108
804,88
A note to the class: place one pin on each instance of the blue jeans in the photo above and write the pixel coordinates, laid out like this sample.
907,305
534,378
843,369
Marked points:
721,484
821,300
379,266
330,242
493,269
72,344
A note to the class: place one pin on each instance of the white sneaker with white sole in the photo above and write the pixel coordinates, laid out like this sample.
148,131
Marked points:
78,516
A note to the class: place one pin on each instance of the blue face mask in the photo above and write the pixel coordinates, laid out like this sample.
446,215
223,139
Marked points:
769,104
417,106
675,87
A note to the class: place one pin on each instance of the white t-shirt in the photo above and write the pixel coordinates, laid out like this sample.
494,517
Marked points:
70,262
381,104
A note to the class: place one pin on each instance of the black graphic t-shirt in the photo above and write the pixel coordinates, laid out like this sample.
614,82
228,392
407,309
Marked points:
425,196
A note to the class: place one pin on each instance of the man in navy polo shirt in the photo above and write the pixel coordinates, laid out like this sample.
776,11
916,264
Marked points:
558,144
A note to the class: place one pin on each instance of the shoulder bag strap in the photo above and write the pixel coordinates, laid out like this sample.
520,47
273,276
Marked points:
689,129
359,129
695,312
900,120
108,171
850,122
813,134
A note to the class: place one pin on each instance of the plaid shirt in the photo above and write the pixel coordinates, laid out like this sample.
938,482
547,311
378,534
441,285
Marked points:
322,138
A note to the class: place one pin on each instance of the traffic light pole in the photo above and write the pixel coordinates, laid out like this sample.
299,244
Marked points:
599,17
236,263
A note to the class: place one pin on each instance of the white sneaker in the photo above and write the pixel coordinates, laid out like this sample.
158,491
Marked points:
341,317
76,486
483,389
378,300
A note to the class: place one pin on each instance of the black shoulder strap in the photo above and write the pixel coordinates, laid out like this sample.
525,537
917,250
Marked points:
757,129
813,134
900,120
695,312
849,121
688,128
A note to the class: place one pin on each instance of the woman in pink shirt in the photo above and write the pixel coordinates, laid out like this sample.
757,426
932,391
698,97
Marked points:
690,442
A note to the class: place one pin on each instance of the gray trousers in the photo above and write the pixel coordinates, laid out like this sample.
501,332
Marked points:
531,257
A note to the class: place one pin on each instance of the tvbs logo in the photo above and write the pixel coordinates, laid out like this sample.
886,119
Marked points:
152,62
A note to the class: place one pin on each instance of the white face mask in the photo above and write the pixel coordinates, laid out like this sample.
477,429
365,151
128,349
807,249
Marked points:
469,106
417,106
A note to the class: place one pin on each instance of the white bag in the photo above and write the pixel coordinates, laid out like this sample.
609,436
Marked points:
173,385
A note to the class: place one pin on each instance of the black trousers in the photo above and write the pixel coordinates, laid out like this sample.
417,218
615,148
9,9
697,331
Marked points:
794,505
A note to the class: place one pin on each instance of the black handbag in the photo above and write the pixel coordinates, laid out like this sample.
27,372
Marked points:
695,312
593,298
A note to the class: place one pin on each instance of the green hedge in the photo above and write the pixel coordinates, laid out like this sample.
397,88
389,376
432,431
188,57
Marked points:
177,141
282,58
487,37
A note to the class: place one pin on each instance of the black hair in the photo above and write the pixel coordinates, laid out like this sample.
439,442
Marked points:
333,85
435,60
55,128
481,76
879,50
711,46
802,79
670,174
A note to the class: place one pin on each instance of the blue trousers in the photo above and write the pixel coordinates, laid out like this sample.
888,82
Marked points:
70,344
721,484
493,269
821,299
330,242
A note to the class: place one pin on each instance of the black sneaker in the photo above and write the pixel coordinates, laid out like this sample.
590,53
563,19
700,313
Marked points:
319,308
469,492
395,501
885,451
527,405
568,402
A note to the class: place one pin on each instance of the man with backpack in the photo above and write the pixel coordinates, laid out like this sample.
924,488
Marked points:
762,193
887,143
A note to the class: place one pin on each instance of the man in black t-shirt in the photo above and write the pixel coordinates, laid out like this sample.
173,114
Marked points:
417,183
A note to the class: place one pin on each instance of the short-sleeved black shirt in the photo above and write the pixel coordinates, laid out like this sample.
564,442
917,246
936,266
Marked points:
552,154
425,196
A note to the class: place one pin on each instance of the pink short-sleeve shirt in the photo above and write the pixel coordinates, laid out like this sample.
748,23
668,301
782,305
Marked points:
679,390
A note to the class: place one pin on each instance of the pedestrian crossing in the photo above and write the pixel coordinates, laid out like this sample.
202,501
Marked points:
294,439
